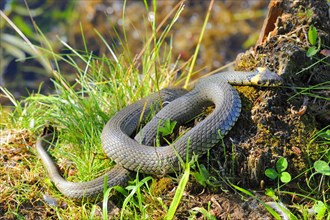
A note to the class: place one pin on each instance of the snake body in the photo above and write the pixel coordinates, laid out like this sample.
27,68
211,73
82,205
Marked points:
139,155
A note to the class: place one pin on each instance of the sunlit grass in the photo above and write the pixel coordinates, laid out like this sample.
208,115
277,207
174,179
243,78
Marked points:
78,112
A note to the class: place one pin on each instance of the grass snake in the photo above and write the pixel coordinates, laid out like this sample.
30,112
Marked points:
138,154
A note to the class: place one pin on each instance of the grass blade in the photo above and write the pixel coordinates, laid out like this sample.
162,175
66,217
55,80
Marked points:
178,194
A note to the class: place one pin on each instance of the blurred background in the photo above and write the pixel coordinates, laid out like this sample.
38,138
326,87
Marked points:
233,27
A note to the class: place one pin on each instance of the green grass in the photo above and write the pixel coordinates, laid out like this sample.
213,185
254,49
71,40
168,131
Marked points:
78,112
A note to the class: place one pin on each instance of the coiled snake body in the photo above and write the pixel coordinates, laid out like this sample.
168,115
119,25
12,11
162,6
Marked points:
139,155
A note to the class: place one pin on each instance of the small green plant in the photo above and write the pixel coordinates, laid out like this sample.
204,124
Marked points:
202,175
206,213
313,39
326,135
164,130
322,167
167,128
279,172
320,208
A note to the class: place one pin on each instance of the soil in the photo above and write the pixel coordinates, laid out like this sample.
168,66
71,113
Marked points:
275,122
280,123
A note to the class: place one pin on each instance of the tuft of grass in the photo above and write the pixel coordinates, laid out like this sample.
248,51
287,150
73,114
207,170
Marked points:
78,111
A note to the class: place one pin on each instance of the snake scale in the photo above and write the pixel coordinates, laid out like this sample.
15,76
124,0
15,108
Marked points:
179,105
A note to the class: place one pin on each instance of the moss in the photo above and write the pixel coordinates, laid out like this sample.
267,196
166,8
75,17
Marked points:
246,61
161,186
249,92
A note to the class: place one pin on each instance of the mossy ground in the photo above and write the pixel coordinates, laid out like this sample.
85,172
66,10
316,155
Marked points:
282,126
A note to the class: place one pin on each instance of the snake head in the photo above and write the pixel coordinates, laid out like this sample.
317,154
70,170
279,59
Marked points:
265,77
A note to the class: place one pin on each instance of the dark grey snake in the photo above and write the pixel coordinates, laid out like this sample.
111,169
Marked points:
138,154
